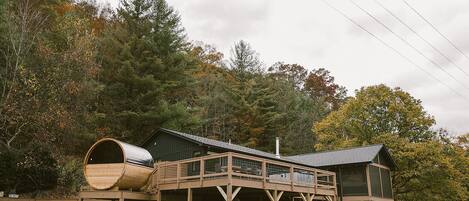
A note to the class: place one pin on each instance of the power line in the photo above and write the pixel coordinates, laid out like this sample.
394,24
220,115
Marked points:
436,29
423,39
409,44
394,49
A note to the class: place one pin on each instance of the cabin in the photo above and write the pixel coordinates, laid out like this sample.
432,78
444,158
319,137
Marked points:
194,168
363,173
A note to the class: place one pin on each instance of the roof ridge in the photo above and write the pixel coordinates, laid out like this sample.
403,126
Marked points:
344,149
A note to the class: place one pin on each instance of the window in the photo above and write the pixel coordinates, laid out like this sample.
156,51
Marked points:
196,153
354,181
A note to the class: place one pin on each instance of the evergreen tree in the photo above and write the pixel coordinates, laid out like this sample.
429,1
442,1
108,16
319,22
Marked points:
298,109
211,100
251,98
146,72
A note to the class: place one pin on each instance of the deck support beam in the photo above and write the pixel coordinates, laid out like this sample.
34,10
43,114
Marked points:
229,195
329,198
275,196
307,196
189,194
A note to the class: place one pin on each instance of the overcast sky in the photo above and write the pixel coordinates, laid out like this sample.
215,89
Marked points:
310,33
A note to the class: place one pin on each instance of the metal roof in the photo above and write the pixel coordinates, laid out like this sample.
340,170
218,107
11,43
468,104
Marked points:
355,155
229,147
340,157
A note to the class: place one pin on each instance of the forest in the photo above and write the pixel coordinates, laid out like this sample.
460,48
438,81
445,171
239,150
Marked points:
72,72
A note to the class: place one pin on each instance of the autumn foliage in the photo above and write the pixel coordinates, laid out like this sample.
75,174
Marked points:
73,72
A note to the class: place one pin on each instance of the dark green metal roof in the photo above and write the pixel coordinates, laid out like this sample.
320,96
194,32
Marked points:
364,154
225,146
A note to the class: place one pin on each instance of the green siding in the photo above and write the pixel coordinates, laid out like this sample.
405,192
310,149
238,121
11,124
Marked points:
166,147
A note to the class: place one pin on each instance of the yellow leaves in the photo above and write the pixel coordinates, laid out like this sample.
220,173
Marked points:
73,88
64,8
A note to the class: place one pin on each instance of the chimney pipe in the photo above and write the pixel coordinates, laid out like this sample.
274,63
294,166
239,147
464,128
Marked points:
277,147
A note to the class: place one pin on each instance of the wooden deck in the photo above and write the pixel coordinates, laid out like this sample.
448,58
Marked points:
232,170
117,195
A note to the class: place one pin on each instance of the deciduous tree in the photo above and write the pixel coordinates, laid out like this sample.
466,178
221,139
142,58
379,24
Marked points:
379,114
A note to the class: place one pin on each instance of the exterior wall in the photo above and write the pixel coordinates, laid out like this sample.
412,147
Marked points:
166,147
339,170
364,198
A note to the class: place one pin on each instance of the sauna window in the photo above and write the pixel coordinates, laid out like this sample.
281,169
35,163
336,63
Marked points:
106,152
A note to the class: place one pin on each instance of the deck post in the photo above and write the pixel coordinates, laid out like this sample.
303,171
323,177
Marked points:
229,192
291,177
178,173
368,181
202,172
230,166
334,179
189,194
315,182
121,196
264,173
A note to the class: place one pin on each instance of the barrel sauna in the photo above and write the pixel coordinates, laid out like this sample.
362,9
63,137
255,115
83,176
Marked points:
111,163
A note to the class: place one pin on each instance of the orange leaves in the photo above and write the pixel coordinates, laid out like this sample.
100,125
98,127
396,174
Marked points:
64,8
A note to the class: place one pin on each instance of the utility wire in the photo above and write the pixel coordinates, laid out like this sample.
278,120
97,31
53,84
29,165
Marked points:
421,37
393,49
409,44
434,28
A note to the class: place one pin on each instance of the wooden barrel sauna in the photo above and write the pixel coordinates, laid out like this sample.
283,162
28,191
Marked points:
111,163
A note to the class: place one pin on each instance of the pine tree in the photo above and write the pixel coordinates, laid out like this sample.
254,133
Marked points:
145,73
250,97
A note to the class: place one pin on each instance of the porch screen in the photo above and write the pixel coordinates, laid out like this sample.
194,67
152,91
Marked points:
354,181
386,181
380,182
375,182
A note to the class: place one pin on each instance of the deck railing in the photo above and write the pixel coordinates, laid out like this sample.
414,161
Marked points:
239,166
